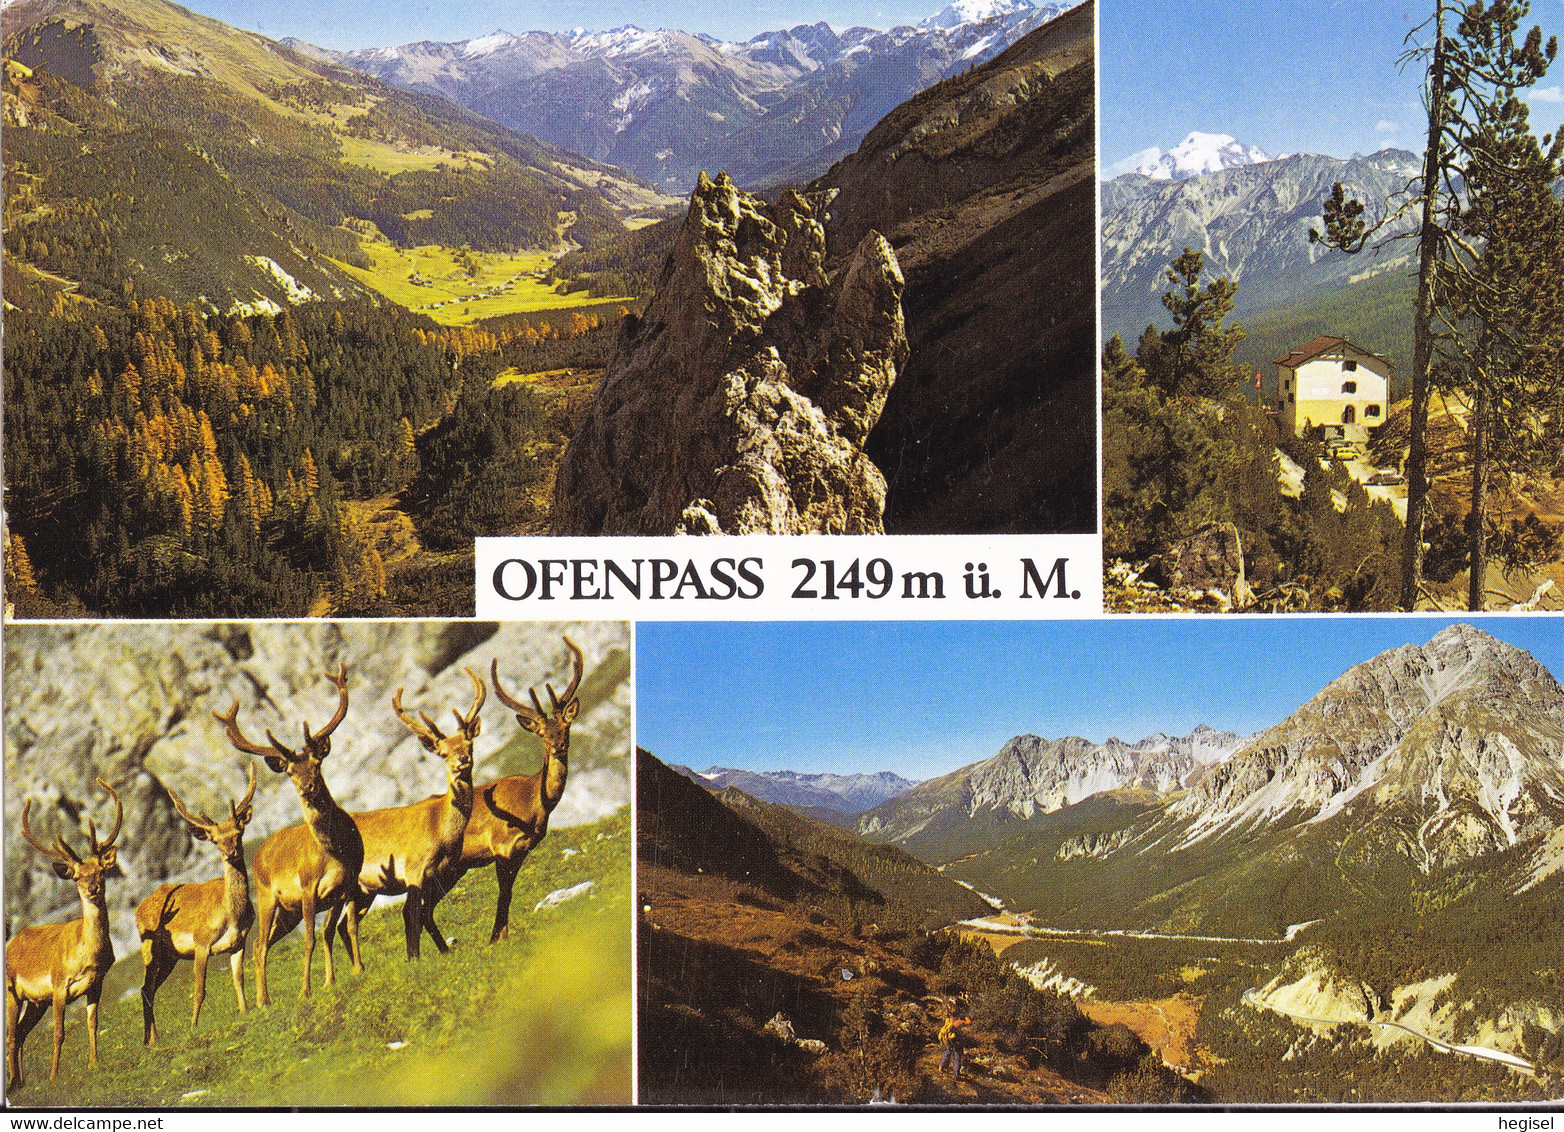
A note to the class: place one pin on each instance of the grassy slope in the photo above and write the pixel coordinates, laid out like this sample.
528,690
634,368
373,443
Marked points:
540,1018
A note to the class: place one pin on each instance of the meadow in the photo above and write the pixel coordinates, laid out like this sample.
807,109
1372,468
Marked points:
540,1018
457,287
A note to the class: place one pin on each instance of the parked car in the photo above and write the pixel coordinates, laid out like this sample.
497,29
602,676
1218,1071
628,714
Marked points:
1386,476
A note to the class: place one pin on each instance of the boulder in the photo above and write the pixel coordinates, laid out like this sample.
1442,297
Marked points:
741,400
1206,566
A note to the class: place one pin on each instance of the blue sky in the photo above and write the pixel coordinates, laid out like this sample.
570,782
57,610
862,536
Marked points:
347,24
923,698
1315,77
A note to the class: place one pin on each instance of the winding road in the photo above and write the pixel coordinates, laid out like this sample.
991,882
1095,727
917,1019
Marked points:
1482,1053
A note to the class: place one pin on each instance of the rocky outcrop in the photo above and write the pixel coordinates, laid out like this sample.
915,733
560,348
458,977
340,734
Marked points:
741,400
1205,569
133,704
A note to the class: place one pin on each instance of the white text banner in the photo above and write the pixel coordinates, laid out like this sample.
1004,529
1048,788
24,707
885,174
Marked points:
790,578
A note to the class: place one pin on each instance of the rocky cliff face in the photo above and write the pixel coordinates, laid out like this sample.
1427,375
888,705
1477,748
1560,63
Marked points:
133,704
741,400
984,185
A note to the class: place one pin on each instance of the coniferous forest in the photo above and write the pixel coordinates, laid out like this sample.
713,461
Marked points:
162,461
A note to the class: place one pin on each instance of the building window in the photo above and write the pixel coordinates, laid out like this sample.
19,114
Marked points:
1349,386
1350,367
1371,411
1348,416
1292,398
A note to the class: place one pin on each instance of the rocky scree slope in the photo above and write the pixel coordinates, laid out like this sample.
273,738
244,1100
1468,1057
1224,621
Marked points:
740,400
133,704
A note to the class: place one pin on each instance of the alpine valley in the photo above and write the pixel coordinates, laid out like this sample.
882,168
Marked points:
1358,903
284,337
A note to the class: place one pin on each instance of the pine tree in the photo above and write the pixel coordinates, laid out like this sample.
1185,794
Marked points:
1502,297
1468,73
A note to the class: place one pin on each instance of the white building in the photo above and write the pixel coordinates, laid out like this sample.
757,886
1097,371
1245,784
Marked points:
1330,381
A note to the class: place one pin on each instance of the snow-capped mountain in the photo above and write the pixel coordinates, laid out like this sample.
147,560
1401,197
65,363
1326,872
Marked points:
1252,224
1197,154
847,793
973,12
670,104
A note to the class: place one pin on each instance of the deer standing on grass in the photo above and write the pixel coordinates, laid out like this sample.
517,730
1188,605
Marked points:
53,964
197,921
308,867
414,849
510,815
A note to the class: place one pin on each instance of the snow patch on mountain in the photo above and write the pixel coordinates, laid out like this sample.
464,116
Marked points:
496,40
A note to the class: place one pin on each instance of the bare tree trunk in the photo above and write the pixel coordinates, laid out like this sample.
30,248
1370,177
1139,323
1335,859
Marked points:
1423,326
1477,544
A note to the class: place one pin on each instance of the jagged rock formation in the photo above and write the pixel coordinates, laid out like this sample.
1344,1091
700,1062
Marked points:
741,400
133,704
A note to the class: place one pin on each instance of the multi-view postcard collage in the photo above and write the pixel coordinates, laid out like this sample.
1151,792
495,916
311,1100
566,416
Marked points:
816,554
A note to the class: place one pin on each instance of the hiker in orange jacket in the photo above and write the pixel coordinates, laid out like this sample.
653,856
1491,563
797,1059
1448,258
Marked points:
951,1038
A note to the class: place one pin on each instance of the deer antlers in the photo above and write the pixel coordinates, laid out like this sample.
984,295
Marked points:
427,731
536,712
64,855
240,811
314,742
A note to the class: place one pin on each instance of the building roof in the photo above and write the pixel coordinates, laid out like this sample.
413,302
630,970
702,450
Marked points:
1326,344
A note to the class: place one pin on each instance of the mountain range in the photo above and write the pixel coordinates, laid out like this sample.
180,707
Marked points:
844,793
1251,222
669,105
1407,769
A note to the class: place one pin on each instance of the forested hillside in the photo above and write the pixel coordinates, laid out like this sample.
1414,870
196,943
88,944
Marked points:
208,412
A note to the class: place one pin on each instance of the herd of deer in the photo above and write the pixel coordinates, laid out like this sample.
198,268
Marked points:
335,862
